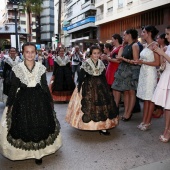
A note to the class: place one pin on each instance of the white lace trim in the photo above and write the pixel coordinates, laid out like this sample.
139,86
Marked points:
62,62
12,62
90,68
27,78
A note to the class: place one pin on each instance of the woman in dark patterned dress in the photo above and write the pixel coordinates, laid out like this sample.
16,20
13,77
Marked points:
126,77
62,83
29,127
10,61
92,106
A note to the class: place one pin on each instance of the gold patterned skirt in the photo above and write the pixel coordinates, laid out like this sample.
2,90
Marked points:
75,114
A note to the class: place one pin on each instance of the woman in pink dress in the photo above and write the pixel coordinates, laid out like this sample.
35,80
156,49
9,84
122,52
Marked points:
50,61
161,95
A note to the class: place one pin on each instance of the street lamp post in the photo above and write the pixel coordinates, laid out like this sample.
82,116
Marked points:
16,29
15,4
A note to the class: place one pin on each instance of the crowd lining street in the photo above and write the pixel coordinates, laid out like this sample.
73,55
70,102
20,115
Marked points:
127,148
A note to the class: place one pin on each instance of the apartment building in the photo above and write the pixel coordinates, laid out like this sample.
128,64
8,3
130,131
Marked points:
79,23
3,18
22,20
47,23
115,16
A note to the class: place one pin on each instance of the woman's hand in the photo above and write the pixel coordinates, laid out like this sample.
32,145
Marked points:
139,62
103,57
158,50
119,58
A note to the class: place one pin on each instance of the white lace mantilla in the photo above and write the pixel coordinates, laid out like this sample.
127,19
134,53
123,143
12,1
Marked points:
29,78
90,68
12,62
62,62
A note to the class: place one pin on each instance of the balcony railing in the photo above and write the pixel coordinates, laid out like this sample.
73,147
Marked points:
86,4
12,17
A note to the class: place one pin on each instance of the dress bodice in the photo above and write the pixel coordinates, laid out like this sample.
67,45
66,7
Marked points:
128,52
147,55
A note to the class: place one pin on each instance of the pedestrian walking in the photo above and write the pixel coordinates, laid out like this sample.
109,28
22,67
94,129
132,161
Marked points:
76,57
10,61
62,83
92,106
29,127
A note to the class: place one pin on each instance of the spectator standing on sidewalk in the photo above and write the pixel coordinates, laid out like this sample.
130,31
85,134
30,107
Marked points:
76,60
50,61
161,95
149,60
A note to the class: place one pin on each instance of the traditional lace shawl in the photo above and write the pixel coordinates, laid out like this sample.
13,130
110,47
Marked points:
29,78
12,62
90,68
62,62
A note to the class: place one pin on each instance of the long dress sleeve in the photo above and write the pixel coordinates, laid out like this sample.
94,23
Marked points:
45,87
15,84
81,78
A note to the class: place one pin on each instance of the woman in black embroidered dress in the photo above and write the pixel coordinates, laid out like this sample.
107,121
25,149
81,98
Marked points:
92,106
29,127
62,83
10,61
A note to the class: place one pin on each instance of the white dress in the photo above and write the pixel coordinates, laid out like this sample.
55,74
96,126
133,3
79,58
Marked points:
161,95
16,148
147,77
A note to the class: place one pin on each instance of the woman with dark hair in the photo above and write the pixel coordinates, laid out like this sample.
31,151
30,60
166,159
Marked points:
126,77
50,61
10,61
103,52
113,64
29,127
161,94
148,74
92,106
163,43
62,83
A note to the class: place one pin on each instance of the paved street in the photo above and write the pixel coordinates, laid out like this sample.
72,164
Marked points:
127,148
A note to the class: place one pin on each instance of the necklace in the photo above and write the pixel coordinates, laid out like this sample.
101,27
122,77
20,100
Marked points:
150,44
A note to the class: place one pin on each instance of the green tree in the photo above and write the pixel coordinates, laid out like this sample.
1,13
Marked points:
32,6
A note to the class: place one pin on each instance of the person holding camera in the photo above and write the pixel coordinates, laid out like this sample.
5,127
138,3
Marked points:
76,56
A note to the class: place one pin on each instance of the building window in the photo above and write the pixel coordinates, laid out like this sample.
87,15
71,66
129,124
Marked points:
109,6
120,3
23,22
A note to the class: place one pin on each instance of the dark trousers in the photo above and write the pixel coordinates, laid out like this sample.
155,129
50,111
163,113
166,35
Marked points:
76,68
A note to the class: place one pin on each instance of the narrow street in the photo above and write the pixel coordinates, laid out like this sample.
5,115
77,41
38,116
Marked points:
127,148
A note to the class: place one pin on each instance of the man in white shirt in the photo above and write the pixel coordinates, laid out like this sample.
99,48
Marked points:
77,57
